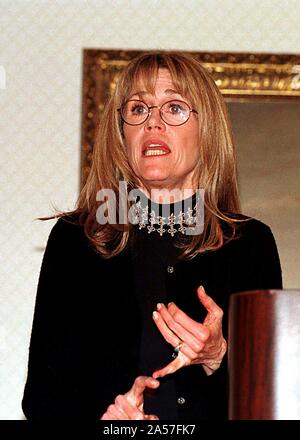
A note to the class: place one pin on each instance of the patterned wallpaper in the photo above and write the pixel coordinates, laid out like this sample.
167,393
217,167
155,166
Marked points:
41,46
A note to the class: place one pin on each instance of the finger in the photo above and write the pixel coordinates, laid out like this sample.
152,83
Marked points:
135,395
190,354
121,413
167,333
209,303
113,413
131,411
117,413
151,417
105,416
197,329
172,339
173,366
188,330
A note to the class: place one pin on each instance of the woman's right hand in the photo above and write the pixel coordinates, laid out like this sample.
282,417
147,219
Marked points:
129,406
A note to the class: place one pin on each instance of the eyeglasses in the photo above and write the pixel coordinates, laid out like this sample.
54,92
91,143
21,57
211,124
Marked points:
136,112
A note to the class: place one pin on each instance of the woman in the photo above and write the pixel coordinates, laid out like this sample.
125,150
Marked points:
123,328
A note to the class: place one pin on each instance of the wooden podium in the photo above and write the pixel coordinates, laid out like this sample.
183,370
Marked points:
264,355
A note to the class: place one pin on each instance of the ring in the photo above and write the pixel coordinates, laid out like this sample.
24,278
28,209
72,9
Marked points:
177,350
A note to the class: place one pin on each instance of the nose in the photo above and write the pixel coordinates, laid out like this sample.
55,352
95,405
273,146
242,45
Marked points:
154,120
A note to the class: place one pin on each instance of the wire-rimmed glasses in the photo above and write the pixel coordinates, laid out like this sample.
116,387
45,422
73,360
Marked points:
174,112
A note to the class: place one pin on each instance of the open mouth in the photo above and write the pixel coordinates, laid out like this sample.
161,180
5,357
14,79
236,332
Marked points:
155,149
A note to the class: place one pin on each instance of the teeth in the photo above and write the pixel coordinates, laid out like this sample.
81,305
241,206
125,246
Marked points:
154,152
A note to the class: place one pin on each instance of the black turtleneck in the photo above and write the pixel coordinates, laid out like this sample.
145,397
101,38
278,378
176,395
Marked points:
155,255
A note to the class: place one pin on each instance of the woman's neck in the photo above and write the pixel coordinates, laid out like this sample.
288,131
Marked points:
167,196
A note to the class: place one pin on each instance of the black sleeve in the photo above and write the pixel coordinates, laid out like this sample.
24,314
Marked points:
254,259
50,390
255,263
268,269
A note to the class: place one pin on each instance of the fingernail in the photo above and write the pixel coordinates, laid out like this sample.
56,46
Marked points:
158,306
170,303
155,315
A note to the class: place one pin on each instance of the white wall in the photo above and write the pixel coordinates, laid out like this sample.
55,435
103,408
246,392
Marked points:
41,46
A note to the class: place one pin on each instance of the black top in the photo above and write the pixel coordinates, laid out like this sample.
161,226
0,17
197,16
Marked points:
90,321
149,267
154,251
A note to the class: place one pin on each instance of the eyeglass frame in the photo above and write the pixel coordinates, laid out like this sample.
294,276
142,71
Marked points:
191,110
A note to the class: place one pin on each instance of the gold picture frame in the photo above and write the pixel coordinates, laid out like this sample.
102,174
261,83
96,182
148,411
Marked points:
240,76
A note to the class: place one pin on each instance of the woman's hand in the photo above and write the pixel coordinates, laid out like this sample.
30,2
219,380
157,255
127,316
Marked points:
194,342
129,406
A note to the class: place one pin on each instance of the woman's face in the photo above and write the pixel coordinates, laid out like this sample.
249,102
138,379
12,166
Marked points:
161,155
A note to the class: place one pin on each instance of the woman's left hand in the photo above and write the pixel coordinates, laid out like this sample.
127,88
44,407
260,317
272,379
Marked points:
196,343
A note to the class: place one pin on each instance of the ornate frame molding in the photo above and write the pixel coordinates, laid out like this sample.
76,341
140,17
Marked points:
240,76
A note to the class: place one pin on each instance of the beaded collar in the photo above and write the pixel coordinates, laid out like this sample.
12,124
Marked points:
166,218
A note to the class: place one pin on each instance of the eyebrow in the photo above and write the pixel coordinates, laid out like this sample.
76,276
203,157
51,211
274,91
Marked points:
142,93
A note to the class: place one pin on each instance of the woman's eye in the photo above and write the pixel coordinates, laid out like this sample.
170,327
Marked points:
175,108
138,110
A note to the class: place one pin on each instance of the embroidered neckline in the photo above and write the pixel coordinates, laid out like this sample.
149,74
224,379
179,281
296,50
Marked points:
153,222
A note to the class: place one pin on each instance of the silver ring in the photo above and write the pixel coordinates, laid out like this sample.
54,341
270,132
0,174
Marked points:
177,350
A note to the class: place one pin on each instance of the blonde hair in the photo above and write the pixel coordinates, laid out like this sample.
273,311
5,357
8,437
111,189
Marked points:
216,169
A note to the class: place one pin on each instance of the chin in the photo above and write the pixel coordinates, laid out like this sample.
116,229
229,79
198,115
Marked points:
157,179
155,173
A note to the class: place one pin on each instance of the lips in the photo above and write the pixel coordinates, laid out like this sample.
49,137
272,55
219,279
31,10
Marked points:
155,147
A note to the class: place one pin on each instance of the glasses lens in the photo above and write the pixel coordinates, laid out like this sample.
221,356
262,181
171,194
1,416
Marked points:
134,112
175,112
